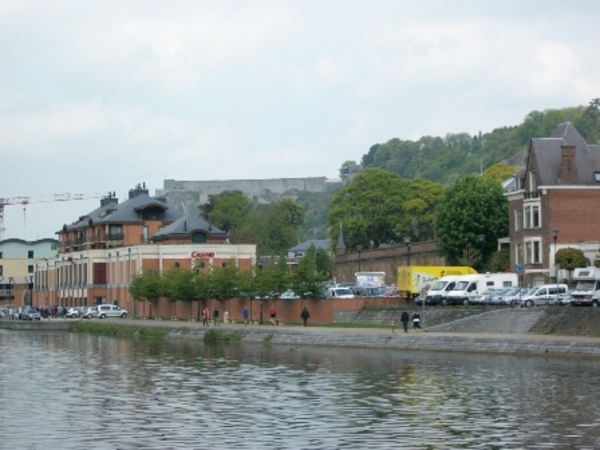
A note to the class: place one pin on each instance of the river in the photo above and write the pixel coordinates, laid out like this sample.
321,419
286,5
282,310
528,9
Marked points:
74,391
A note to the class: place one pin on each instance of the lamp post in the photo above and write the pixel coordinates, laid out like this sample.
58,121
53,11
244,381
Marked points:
407,243
359,248
481,238
555,237
260,263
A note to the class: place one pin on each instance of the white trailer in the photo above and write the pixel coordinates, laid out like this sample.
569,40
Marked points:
587,291
471,286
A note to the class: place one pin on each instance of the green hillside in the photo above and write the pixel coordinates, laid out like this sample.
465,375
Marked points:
444,159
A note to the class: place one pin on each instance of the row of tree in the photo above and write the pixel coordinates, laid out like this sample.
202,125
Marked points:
268,279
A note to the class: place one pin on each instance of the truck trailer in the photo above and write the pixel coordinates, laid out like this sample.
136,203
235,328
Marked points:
417,280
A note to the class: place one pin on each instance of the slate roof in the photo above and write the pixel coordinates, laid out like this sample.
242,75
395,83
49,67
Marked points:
186,226
548,156
125,212
304,246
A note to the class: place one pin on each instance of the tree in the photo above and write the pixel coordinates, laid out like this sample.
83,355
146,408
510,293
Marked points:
500,260
283,219
178,285
370,209
307,282
570,258
472,207
227,210
424,197
225,281
146,286
499,173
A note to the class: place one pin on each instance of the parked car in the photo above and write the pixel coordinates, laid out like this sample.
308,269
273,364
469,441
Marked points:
90,312
104,311
31,314
485,298
73,313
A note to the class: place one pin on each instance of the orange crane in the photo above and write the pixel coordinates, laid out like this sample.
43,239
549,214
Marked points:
37,199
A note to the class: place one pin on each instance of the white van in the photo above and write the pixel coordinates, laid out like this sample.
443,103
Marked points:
437,294
546,294
468,287
339,292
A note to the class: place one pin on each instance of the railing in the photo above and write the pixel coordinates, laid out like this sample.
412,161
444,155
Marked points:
530,195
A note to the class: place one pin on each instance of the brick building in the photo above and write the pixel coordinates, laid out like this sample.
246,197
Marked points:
554,205
100,252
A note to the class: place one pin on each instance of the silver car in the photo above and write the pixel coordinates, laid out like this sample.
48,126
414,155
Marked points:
104,311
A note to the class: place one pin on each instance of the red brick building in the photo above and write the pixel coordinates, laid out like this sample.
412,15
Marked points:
555,205
100,252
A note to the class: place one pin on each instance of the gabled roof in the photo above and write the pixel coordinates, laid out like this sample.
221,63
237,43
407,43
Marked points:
186,226
128,211
322,244
548,155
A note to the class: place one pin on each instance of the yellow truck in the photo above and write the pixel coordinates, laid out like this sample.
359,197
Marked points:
416,280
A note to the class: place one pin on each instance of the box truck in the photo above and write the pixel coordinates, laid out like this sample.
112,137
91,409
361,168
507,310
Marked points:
470,286
417,280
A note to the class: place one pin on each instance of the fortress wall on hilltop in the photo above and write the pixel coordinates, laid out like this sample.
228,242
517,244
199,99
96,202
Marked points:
252,188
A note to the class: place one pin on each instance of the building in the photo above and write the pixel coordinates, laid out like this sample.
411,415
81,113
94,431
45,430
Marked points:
17,267
554,205
100,252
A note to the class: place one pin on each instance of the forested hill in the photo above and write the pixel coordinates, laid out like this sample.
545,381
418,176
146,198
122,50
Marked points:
444,159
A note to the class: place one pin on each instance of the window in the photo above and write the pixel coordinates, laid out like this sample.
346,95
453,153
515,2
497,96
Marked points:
528,247
0,255
537,257
597,177
30,254
519,255
30,268
535,219
145,234
527,217
99,273
518,220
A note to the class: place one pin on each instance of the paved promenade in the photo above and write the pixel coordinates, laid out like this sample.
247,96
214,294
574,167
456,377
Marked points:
480,342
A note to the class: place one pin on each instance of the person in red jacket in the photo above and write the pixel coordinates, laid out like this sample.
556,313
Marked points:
273,315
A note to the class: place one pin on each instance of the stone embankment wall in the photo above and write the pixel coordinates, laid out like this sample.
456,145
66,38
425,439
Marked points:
261,190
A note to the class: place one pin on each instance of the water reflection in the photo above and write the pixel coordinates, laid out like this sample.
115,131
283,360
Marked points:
98,392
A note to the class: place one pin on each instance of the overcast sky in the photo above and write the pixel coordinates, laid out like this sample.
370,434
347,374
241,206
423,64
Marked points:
99,96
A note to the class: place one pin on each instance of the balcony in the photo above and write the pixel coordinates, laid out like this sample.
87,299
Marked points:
532,195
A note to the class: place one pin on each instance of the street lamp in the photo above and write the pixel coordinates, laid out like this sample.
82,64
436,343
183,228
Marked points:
555,237
260,264
407,243
481,238
359,248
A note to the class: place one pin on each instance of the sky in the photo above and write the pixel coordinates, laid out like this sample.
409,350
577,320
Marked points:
96,97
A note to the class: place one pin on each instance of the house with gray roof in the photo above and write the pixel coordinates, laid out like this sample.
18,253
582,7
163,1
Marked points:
554,205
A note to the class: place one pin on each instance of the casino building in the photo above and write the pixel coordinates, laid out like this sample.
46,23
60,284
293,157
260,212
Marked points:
100,252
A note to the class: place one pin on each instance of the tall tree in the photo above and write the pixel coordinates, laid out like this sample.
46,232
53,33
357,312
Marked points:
471,208
146,286
370,209
228,209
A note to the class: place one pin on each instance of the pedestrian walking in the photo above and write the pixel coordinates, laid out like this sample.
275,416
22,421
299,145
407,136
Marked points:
273,315
305,315
404,319
206,317
246,315
416,319
215,316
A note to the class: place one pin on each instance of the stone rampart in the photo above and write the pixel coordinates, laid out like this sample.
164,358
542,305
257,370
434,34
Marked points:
263,191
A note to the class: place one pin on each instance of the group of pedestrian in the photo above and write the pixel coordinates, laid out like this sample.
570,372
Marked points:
416,320
206,317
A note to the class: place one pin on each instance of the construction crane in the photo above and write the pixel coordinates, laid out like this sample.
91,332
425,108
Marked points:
39,199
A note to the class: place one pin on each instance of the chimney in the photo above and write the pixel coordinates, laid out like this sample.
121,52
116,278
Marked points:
568,169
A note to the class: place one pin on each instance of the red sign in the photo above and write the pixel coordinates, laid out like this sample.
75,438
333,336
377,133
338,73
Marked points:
203,254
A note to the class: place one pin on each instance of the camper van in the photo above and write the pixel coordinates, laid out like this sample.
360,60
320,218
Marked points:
546,294
470,286
587,291
437,294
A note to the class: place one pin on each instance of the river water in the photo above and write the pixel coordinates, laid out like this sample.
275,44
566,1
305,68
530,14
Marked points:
78,391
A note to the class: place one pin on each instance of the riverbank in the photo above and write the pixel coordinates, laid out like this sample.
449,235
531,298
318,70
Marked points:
382,338
455,336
